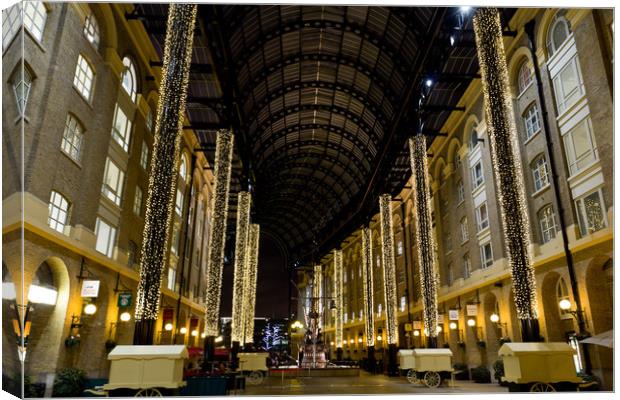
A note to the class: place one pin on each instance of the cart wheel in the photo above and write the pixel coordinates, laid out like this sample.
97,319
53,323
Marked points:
148,392
255,378
412,377
542,387
432,379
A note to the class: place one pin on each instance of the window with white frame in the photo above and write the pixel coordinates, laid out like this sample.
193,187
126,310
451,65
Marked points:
128,78
121,129
461,191
11,23
591,212
540,172
113,179
174,244
403,303
531,120
473,138
91,30
464,230
84,77
525,76
557,35
568,85
35,16
486,255
466,266
172,273
58,212
183,168
546,218
178,204
22,82
106,237
72,138
477,175
482,216
137,201
144,155
580,146
149,120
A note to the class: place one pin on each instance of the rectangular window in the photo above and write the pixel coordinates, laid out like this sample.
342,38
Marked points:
35,15
461,191
466,267
178,204
72,138
11,23
591,212
403,303
84,77
580,146
121,129
172,273
58,212
399,248
464,230
482,216
174,245
531,120
379,309
106,237
540,173
113,178
486,255
144,156
477,175
137,201
568,85
346,318
448,242
546,218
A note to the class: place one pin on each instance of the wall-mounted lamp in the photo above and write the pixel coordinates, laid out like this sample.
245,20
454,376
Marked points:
168,327
125,316
183,330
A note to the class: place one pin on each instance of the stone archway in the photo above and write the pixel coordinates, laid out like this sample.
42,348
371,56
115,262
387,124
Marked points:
11,366
556,324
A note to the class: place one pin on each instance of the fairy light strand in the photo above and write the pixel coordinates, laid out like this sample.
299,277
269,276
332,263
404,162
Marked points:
317,289
389,268
241,250
217,234
424,235
249,290
166,155
368,286
338,292
505,158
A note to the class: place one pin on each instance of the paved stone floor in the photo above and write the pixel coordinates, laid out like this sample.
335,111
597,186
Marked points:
364,384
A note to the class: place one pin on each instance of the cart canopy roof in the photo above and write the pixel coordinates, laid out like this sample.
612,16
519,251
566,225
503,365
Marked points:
405,352
513,349
148,352
432,352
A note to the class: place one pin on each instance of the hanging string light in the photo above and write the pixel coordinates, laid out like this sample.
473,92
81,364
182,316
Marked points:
424,234
367,278
164,168
389,268
241,251
338,292
217,234
250,282
317,290
505,158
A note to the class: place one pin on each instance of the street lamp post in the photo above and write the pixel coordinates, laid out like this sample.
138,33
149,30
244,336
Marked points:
566,306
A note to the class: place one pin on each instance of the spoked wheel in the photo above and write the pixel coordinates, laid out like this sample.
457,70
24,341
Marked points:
255,378
412,377
432,379
148,392
542,387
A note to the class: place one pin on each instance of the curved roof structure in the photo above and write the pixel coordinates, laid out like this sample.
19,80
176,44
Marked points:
321,100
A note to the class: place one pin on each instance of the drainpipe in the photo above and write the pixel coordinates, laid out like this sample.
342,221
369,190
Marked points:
529,30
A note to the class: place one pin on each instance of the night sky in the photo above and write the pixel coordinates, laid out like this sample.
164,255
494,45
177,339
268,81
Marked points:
271,287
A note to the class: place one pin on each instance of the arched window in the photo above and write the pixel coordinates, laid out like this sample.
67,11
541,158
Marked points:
525,76
128,78
84,77
473,138
35,16
561,292
557,35
540,172
183,168
91,30
531,120
58,212
149,120
546,217
72,138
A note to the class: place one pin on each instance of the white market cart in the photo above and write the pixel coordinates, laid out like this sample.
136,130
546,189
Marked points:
254,366
146,370
426,365
539,367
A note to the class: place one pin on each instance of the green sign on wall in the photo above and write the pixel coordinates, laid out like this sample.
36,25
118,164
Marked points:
124,299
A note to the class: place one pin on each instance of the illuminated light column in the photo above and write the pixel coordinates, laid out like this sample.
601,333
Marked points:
250,283
164,166
317,289
424,235
338,290
241,252
369,304
217,239
389,279
506,163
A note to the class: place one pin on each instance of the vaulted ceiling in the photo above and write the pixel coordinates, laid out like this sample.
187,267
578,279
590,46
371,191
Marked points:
321,100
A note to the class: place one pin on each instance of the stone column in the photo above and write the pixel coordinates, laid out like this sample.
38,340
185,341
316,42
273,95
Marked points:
389,280
506,163
164,167
425,242
369,304
339,303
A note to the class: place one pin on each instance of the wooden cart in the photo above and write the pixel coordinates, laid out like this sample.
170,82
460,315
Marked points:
254,366
145,370
426,365
539,367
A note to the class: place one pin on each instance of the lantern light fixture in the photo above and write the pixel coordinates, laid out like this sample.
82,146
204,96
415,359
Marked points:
471,322
90,309
125,316
183,330
168,326
494,318
453,325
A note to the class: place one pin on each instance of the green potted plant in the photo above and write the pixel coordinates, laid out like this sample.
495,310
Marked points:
69,382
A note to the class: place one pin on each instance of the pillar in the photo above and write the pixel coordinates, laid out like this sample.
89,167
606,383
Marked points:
339,303
368,287
249,290
241,251
506,164
164,166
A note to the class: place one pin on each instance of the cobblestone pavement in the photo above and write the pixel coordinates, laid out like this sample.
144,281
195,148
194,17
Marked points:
364,384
